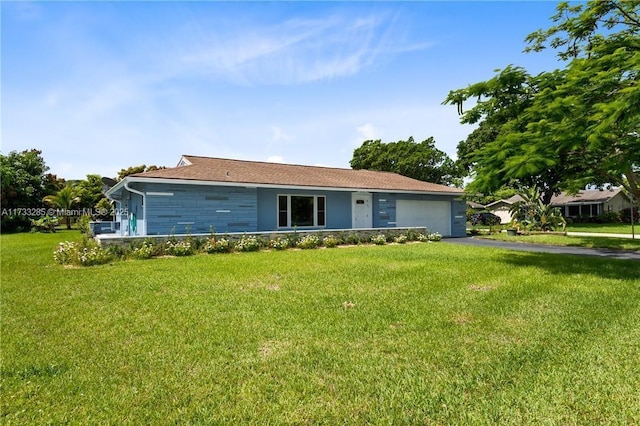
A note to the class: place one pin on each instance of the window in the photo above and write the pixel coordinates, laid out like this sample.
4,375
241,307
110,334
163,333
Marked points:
301,210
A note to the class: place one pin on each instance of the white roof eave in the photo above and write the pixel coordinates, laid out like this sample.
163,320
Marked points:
134,179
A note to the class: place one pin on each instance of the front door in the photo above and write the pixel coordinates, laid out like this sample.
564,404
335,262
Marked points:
361,210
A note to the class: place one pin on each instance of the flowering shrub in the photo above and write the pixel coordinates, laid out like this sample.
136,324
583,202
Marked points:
66,253
279,244
434,236
412,235
70,253
423,238
145,251
179,248
309,242
221,245
89,256
248,244
400,239
330,241
379,239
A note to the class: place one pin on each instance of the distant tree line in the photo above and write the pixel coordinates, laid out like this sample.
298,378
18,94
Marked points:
28,189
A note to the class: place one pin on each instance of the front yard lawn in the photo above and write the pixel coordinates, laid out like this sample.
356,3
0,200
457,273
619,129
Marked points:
607,228
423,333
571,241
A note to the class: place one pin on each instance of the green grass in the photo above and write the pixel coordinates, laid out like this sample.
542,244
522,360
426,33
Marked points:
431,334
571,241
607,228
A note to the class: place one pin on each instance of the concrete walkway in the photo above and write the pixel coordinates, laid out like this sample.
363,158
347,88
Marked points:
600,234
546,248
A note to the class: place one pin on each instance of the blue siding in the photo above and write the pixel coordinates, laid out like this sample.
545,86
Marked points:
199,209
458,218
338,207
384,210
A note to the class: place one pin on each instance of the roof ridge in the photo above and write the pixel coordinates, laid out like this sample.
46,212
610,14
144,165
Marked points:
235,160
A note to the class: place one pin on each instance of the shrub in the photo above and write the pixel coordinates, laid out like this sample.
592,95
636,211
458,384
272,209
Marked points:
145,251
379,239
83,224
412,235
85,254
330,241
179,248
44,224
608,217
280,243
66,253
352,239
309,242
400,239
248,243
15,223
214,245
89,256
434,236
625,215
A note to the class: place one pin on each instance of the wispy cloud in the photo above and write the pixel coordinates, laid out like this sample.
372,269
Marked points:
298,50
365,132
278,135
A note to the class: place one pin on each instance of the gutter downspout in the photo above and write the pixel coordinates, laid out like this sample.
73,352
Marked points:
144,205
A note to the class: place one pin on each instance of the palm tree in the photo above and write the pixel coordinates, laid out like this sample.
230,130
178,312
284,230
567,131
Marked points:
533,213
64,200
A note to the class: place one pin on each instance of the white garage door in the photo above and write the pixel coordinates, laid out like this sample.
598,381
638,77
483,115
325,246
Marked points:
435,215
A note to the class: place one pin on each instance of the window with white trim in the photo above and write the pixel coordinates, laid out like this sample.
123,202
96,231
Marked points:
301,211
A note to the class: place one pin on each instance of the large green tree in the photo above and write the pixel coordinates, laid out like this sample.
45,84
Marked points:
90,191
24,182
422,161
601,41
494,152
25,179
568,128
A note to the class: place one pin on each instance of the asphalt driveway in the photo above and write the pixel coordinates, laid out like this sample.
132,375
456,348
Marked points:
545,248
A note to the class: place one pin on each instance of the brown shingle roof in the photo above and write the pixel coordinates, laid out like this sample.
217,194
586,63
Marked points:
252,172
585,196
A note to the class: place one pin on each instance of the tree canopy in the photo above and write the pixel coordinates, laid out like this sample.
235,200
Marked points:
422,161
566,128
136,169
25,180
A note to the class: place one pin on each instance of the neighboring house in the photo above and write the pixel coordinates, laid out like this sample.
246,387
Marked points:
501,208
475,206
204,194
590,203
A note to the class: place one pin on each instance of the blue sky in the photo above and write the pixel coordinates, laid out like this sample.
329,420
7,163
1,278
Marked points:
100,86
